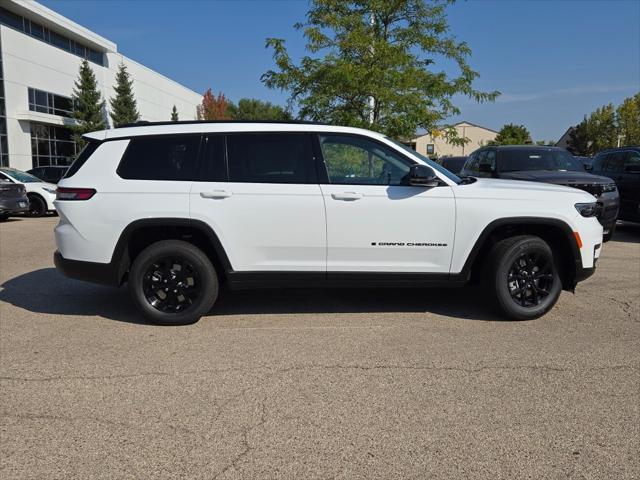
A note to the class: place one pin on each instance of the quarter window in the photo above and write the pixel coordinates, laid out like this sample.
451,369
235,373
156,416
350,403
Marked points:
270,158
170,157
355,160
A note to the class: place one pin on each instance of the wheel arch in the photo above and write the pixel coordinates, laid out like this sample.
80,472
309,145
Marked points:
141,233
557,233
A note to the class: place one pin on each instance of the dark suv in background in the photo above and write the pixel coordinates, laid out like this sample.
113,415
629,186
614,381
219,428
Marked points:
622,165
50,173
547,165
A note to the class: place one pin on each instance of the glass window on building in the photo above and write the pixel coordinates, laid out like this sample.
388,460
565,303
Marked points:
4,139
51,145
46,102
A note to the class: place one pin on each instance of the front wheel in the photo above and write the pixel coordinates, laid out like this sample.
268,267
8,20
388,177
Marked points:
522,277
37,206
172,282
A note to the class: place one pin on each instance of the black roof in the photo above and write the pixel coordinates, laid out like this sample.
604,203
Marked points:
145,123
616,149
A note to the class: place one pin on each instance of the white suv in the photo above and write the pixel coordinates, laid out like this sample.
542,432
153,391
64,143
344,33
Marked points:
175,209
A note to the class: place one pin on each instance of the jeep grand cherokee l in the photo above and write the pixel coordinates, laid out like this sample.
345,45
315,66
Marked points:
549,165
175,209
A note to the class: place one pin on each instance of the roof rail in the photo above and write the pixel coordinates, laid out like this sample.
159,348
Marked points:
145,123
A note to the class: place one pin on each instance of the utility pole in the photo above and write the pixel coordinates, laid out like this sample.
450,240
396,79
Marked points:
372,100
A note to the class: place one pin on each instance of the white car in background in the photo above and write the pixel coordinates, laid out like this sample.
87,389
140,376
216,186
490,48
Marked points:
40,194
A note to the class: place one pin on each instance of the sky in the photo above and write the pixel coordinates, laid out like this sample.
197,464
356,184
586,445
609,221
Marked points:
552,61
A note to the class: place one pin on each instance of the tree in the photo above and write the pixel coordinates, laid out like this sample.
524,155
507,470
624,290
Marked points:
88,105
512,134
213,108
578,143
601,129
254,109
123,106
372,65
174,114
628,116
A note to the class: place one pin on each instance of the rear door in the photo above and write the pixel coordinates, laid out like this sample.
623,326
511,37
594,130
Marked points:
629,182
375,223
260,195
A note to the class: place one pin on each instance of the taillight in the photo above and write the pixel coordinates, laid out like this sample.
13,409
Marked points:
63,193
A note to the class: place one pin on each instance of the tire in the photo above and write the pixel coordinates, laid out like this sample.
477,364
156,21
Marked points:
37,206
527,289
155,273
3,216
608,236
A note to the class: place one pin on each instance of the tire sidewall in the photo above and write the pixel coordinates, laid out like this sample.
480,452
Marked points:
506,302
206,273
36,200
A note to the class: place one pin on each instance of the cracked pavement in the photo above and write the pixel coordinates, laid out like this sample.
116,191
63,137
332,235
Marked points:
315,384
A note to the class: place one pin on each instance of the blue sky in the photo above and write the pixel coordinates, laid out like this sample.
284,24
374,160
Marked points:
553,61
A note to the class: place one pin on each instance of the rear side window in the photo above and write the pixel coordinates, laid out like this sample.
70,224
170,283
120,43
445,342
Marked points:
270,158
166,157
82,157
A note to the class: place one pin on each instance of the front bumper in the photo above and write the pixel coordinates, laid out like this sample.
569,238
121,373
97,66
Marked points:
14,205
609,209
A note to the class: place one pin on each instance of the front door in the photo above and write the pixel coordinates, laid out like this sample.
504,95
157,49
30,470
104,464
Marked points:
375,223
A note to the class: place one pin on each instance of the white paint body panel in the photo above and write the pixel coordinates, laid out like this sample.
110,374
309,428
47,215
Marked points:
264,227
392,215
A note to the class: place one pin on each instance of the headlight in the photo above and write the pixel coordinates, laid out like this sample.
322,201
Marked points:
587,209
50,190
610,187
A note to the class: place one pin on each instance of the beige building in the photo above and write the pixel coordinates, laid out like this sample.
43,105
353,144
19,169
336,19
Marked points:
436,145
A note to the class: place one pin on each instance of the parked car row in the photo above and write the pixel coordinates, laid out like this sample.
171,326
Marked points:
613,176
21,192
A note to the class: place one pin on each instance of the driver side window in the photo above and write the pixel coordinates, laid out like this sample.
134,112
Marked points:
352,160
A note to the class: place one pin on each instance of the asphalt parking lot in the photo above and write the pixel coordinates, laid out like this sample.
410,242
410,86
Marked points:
316,384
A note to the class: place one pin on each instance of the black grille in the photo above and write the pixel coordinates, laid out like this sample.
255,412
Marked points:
595,190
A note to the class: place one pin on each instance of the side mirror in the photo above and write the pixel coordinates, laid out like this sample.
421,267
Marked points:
422,176
632,169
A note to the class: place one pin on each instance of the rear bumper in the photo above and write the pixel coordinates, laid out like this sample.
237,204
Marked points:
14,205
102,273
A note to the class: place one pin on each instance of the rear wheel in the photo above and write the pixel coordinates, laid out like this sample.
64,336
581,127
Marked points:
522,277
173,282
37,206
3,216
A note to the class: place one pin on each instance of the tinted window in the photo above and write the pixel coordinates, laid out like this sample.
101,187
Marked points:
614,162
82,157
213,167
166,157
633,161
270,158
522,159
453,164
598,161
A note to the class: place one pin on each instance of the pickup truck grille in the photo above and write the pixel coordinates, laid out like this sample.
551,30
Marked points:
11,190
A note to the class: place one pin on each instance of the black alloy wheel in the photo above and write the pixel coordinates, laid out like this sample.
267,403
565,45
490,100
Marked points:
530,279
171,284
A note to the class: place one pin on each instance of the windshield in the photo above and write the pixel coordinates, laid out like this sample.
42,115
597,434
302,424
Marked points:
19,176
428,161
521,159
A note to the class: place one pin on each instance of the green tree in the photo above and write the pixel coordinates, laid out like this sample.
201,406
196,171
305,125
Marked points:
174,114
512,134
254,109
628,116
373,64
601,129
578,143
88,105
123,105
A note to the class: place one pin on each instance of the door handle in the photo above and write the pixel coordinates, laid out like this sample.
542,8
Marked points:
216,194
348,196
